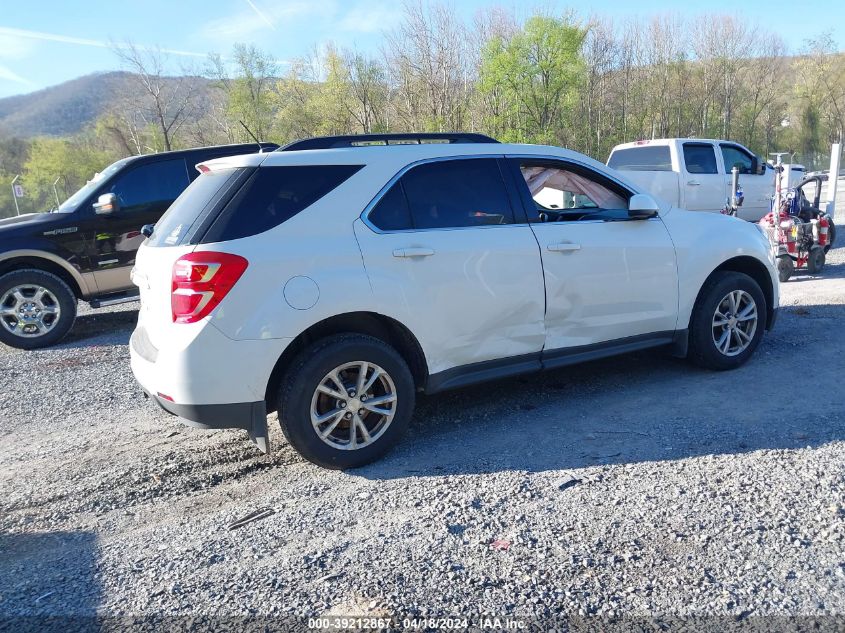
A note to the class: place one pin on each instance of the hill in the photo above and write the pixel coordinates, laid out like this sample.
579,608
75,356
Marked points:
63,109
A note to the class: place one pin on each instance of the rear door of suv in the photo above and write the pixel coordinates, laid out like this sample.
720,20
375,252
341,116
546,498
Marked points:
449,253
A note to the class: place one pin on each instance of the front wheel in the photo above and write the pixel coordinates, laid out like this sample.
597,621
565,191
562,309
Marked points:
346,400
37,309
727,322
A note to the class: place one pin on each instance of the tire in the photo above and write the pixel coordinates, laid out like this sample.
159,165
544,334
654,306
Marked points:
300,400
831,235
815,260
705,336
785,268
42,294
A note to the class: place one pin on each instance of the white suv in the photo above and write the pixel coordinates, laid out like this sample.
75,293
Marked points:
333,279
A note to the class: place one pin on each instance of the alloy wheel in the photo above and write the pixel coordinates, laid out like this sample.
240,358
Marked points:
353,405
735,323
29,310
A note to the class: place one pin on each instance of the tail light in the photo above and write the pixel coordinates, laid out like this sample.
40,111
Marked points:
199,282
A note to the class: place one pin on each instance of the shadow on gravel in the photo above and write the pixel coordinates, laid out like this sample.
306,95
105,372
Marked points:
635,408
830,271
100,328
48,581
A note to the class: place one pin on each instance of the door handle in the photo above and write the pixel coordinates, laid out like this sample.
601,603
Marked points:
693,183
564,247
413,252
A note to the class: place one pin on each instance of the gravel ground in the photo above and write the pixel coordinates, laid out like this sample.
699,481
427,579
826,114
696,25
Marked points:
634,486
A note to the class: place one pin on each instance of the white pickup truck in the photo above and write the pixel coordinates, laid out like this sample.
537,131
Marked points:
695,174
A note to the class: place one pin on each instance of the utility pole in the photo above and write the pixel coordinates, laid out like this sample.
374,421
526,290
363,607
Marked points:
15,189
833,179
56,191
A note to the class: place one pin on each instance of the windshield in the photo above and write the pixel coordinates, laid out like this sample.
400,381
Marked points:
74,201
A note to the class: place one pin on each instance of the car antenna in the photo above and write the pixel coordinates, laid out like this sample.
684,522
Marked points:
248,131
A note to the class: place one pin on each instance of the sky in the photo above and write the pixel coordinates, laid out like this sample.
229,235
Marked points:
46,42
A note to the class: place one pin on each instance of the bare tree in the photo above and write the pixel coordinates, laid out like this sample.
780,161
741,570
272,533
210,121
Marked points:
167,101
427,58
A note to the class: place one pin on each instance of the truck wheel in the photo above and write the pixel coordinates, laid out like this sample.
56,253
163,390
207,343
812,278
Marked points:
37,309
785,268
727,321
346,400
815,261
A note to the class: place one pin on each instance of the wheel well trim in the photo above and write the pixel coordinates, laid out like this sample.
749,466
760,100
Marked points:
361,322
759,271
83,288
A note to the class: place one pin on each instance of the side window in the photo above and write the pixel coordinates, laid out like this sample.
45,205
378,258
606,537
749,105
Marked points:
151,187
563,192
700,158
736,157
392,212
274,195
457,193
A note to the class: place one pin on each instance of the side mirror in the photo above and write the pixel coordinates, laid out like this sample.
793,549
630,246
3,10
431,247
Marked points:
106,204
147,230
642,206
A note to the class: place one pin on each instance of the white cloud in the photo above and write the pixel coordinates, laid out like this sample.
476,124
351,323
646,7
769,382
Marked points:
79,41
261,14
366,17
262,17
15,47
7,74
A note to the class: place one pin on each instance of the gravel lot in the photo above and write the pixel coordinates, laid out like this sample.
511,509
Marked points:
635,486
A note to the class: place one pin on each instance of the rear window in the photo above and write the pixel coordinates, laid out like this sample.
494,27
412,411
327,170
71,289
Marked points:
273,195
645,158
177,223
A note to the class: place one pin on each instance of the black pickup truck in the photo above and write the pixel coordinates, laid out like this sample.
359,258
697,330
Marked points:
86,248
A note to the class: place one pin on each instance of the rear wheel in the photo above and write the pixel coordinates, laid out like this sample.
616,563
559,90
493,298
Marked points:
815,260
346,401
37,309
727,322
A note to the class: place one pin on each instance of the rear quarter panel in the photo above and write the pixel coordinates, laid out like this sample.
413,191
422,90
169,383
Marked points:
312,256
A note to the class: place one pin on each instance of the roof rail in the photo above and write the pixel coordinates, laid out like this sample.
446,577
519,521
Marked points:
365,140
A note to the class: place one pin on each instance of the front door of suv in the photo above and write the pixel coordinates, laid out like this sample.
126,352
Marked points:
144,192
608,277
449,256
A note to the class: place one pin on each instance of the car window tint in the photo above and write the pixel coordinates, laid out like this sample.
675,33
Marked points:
735,157
457,193
645,158
173,227
149,187
273,195
392,212
700,158
565,193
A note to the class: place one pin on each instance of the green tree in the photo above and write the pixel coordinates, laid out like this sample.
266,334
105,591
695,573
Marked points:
536,74
249,92
72,163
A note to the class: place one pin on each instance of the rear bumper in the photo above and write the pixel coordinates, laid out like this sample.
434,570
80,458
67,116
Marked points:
207,379
249,416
